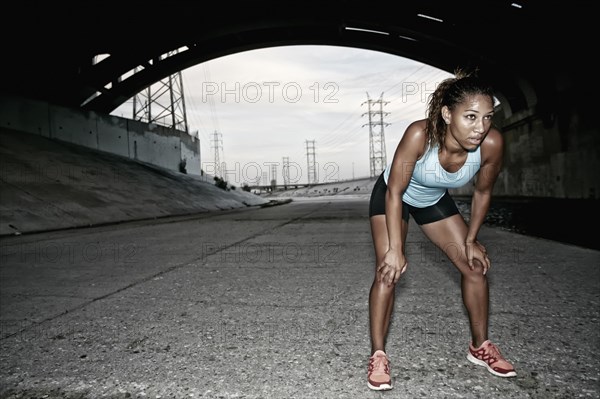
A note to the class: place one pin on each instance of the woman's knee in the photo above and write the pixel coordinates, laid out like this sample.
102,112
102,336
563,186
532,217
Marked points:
457,255
475,274
383,288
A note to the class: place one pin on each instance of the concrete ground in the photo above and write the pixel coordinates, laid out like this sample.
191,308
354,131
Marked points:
272,303
122,280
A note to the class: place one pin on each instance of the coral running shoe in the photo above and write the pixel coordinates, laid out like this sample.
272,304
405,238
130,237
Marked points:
489,356
378,376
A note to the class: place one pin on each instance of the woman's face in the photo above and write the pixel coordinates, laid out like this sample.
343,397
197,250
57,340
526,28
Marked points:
470,121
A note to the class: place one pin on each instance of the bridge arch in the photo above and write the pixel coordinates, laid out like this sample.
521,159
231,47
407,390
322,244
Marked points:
503,39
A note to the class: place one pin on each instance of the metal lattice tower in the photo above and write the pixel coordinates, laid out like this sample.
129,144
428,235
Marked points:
377,151
273,175
285,171
163,102
217,144
311,162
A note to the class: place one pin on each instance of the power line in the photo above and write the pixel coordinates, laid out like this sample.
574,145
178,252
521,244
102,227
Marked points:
338,136
211,100
194,120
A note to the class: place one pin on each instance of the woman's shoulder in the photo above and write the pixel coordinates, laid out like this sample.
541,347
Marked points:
493,144
418,126
414,139
493,140
416,131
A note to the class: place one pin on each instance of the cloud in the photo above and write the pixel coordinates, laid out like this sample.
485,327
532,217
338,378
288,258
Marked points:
266,103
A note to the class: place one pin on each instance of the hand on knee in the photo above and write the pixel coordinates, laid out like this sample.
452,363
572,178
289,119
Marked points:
476,272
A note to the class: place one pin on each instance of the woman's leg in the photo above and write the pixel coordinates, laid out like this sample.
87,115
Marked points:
381,296
449,235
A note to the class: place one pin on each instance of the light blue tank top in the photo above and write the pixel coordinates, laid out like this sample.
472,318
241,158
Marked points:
430,181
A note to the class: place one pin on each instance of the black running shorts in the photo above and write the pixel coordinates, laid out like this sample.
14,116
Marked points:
444,208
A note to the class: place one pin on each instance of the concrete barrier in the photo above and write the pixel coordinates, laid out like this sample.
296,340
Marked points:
145,142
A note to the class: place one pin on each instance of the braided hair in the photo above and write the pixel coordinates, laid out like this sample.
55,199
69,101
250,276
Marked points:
451,92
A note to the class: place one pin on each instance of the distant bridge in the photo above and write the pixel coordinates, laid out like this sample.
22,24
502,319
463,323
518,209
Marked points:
282,187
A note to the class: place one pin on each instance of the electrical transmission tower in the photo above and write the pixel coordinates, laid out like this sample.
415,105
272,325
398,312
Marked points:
285,171
377,151
273,175
217,145
311,162
162,102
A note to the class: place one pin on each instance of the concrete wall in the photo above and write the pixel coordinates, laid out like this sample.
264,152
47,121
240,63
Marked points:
144,142
190,153
112,135
556,158
552,154
154,144
25,115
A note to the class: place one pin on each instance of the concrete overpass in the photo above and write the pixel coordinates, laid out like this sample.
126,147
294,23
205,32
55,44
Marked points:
525,48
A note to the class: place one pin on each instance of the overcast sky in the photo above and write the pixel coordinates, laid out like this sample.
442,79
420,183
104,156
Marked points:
265,104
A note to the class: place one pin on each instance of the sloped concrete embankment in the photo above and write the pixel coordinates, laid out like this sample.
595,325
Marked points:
48,184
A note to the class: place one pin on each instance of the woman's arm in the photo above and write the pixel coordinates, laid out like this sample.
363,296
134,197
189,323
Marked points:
492,149
491,163
409,149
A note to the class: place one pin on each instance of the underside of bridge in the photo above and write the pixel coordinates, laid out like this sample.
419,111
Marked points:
97,55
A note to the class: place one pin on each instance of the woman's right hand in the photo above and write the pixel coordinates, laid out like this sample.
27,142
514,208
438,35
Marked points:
392,266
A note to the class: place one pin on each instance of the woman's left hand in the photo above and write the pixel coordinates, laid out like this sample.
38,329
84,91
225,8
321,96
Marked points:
477,251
